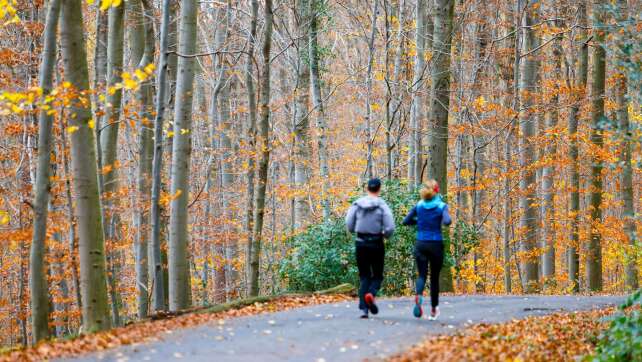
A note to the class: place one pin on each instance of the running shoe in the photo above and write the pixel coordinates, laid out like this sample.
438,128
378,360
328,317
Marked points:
418,311
434,313
370,301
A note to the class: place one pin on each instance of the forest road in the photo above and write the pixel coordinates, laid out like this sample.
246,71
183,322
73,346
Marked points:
334,332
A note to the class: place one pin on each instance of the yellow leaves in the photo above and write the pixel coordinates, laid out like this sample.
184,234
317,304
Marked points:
184,131
170,134
91,124
149,68
106,4
4,217
8,12
375,107
72,129
379,75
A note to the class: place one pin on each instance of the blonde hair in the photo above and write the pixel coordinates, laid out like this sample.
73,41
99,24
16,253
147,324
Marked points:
429,190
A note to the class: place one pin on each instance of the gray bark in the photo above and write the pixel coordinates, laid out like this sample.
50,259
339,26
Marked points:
626,193
37,275
263,149
302,147
93,285
581,78
594,250
321,123
251,135
415,162
369,120
527,199
548,173
179,276
439,103
154,254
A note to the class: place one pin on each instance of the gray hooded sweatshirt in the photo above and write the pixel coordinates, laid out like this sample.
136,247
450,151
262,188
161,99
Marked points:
370,215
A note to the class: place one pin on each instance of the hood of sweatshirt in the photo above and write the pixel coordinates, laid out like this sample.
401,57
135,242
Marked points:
369,202
432,203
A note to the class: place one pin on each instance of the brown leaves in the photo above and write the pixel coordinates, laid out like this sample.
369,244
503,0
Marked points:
557,337
150,329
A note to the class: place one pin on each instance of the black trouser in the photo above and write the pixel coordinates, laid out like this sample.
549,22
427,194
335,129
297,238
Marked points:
429,252
370,255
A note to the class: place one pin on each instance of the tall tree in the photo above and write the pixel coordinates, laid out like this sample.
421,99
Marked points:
263,148
369,116
141,38
581,78
548,172
251,134
625,133
154,248
416,112
179,277
527,91
37,271
95,312
440,101
317,98
301,129
594,249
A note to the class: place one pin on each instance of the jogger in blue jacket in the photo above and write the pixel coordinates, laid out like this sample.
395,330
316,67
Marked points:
429,215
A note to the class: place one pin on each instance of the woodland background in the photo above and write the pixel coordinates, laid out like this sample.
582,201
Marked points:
162,155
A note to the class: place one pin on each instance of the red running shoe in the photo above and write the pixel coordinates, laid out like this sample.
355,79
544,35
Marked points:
370,301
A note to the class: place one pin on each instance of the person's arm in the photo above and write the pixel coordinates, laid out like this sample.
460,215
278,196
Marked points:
388,222
445,217
351,218
411,218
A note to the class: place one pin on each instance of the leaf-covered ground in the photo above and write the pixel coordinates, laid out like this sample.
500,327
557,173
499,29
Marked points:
149,330
555,337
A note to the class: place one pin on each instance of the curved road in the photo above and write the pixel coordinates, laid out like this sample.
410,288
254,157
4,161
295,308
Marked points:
333,332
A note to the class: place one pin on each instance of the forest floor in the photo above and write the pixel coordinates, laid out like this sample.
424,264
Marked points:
333,332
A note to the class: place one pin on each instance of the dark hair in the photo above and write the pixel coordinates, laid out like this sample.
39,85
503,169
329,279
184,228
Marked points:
374,185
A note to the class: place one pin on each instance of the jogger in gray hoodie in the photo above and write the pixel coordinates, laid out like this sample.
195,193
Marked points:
371,219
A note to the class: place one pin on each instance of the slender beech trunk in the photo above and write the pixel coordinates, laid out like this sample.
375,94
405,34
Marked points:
37,275
581,78
395,110
100,64
251,136
95,311
527,199
371,56
440,101
415,162
548,173
594,250
301,129
626,193
321,123
109,148
263,149
179,276
142,53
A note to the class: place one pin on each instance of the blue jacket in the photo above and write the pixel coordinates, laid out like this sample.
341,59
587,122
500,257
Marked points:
429,216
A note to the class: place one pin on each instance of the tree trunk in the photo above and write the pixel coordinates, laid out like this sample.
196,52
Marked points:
594,250
439,104
548,173
179,276
37,275
527,199
154,254
251,135
301,129
626,193
415,162
93,285
580,83
322,126
371,54
263,149
142,53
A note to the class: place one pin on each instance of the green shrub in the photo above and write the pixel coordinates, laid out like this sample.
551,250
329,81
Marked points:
323,255
622,341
